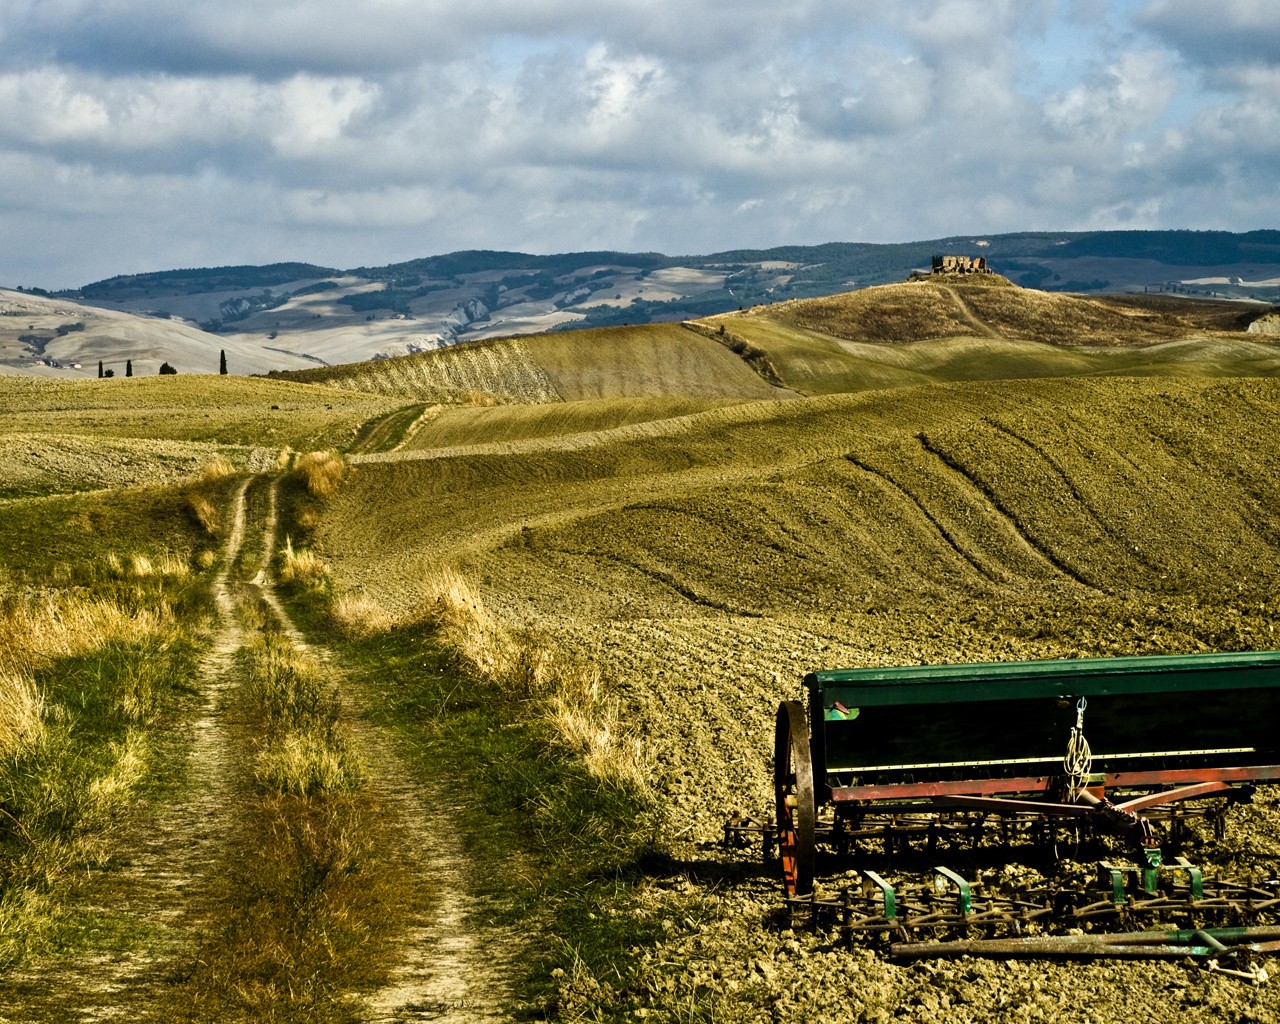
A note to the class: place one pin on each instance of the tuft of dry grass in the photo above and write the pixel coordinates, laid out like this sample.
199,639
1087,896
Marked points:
589,726
304,750
41,628
359,616
303,567
480,644
202,488
302,763
322,472
216,470
584,721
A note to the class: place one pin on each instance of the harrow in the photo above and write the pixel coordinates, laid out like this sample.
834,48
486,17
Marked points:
890,775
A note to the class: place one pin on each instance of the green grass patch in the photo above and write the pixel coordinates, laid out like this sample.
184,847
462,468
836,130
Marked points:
66,539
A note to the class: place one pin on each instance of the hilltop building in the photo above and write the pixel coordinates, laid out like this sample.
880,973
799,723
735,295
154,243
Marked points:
960,265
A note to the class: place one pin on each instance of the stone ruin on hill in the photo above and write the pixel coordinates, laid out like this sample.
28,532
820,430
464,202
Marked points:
960,265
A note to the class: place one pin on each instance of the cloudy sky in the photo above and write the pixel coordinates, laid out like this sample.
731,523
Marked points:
146,134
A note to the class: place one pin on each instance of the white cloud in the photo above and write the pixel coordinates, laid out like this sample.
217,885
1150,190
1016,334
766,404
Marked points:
355,133
1129,96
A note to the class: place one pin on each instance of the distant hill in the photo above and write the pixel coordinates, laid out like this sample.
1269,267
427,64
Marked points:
56,337
942,329
325,315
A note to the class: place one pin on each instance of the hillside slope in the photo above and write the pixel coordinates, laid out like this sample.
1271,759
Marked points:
983,328
649,361
746,545
696,541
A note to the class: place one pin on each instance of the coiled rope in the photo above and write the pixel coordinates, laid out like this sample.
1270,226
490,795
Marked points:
1077,765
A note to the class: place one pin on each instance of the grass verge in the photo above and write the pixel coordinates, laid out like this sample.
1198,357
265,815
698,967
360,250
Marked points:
558,849
80,739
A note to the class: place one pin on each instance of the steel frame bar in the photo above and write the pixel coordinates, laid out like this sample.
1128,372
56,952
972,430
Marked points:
1040,783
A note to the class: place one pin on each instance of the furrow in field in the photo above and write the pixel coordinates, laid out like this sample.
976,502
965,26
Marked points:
1019,528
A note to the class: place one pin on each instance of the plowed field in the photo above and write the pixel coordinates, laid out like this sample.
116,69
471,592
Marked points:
707,562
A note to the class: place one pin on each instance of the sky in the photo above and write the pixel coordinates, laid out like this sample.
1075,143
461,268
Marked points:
140,135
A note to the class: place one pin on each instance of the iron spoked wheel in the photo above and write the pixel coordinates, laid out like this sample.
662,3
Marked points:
793,788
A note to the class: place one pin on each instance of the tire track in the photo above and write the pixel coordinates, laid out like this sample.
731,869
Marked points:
929,518
172,847
970,317
1065,478
992,499
451,967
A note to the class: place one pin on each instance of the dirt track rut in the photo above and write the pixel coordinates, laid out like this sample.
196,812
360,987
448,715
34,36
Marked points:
447,966
450,966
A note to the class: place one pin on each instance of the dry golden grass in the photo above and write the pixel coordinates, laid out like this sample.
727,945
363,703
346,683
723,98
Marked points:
138,566
478,641
190,407
305,750
977,306
202,489
590,727
302,763
644,361
21,712
359,616
214,471
303,567
41,628
322,472
112,788
584,721
459,426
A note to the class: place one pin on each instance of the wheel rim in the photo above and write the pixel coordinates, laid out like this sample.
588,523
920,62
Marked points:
793,787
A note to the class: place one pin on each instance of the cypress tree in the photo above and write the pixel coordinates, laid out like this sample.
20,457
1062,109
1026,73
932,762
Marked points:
222,362
99,367
128,367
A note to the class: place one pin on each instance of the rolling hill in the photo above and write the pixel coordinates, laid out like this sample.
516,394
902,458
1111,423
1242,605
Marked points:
928,331
61,338
284,315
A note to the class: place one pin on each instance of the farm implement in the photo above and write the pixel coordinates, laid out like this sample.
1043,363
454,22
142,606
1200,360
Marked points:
910,801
